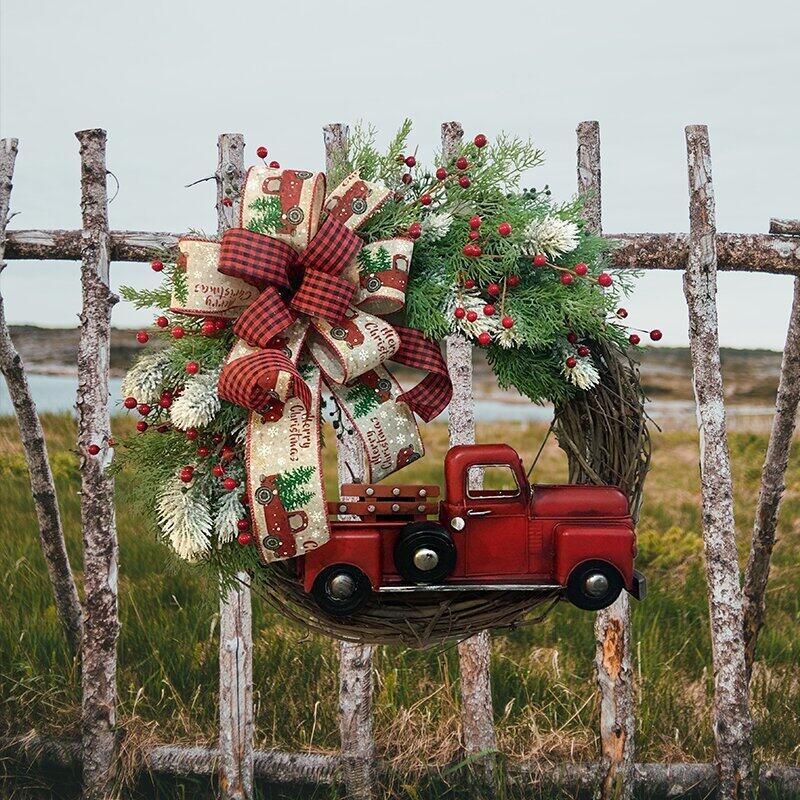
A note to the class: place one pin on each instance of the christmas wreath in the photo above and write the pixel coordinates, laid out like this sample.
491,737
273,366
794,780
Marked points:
316,291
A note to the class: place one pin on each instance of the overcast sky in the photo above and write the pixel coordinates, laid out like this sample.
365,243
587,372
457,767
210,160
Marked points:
164,78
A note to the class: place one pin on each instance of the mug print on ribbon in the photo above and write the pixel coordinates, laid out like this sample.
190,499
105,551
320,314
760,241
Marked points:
300,285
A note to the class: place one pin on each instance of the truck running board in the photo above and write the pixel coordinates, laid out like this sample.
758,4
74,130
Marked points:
473,587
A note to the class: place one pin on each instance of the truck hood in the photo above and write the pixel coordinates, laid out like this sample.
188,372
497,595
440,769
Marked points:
578,501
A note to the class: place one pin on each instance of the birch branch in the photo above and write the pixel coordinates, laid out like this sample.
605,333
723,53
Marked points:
43,489
100,555
772,484
785,226
732,722
612,629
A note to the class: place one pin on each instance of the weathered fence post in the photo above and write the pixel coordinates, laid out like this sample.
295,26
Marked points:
235,613
474,654
100,567
612,629
51,534
772,484
355,660
732,722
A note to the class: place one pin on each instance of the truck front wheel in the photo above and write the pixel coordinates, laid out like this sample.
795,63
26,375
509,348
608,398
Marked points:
424,553
593,585
341,589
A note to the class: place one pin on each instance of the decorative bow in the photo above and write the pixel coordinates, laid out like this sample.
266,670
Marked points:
294,289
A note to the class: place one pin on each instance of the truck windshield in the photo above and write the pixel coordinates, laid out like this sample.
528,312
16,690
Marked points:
486,481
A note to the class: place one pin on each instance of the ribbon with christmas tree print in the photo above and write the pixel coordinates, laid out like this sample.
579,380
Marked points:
304,292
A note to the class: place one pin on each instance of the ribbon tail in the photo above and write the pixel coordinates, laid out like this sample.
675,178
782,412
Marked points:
433,393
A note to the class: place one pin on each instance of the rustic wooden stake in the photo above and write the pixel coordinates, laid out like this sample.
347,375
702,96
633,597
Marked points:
785,226
235,613
45,501
474,654
612,629
732,722
100,552
772,484
355,660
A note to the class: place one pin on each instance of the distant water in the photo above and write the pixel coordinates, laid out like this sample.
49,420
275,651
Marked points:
56,393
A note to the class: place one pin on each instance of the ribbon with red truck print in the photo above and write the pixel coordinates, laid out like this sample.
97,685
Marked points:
304,291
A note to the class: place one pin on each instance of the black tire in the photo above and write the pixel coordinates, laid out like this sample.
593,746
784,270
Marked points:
324,594
581,595
340,334
383,385
430,536
373,284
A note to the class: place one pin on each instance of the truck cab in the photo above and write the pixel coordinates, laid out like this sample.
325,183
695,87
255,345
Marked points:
493,531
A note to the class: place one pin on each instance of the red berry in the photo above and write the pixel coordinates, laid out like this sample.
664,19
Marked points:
144,409
604,279
162,322
488,309
165,401
186,474
163,428
227,453
504,228
142,337
218,470
441,173
244,538
93,449
411,161
220,323
583,351
656,334
406,177
571,362
634,338
274,165
243,524
572,337
513,280
472,316
156,266
581,269
539,260
208,328
191,434
192,367
202,451
474,235
226,201
507,322
464,181
141,426
475,222
217,438
622,313
566,278
425,199
459,313
462,163
469,250
484,339
129,402
177,332
480,140
230,484
261,152
493,289
469,283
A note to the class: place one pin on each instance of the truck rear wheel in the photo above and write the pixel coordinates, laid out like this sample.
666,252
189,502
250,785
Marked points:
594,585
424,553
341,589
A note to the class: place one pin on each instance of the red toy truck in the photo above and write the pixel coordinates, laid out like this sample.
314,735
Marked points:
576,539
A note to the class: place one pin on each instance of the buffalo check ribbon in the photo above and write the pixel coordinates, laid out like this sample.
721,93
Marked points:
305,295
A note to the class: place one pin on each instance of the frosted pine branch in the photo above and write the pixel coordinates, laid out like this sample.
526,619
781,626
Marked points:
470,300
185,518
436,225
228,510
551,236
199,403
145,379
584,374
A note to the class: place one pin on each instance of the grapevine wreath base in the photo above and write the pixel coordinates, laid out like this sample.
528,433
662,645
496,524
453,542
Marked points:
606,439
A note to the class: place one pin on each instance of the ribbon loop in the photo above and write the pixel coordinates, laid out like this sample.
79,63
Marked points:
257,259
325,296
263,319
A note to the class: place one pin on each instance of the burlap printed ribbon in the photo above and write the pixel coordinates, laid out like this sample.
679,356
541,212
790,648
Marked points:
301,290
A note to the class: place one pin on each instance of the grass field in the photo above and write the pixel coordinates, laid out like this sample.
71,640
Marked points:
544,696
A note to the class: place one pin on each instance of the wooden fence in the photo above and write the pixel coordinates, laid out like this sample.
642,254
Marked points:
736,614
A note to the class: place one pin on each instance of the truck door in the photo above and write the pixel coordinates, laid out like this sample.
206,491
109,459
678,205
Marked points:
496,531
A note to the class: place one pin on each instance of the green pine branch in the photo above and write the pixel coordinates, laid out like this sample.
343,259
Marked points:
268,218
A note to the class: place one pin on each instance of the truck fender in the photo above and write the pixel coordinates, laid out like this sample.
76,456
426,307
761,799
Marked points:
575,543
358,548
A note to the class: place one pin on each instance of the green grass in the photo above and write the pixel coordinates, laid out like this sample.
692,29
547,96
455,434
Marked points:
544,694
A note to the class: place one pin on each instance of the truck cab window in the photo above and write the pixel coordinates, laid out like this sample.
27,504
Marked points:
498,482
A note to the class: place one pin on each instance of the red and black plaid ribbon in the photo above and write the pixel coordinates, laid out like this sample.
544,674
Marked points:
433,393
